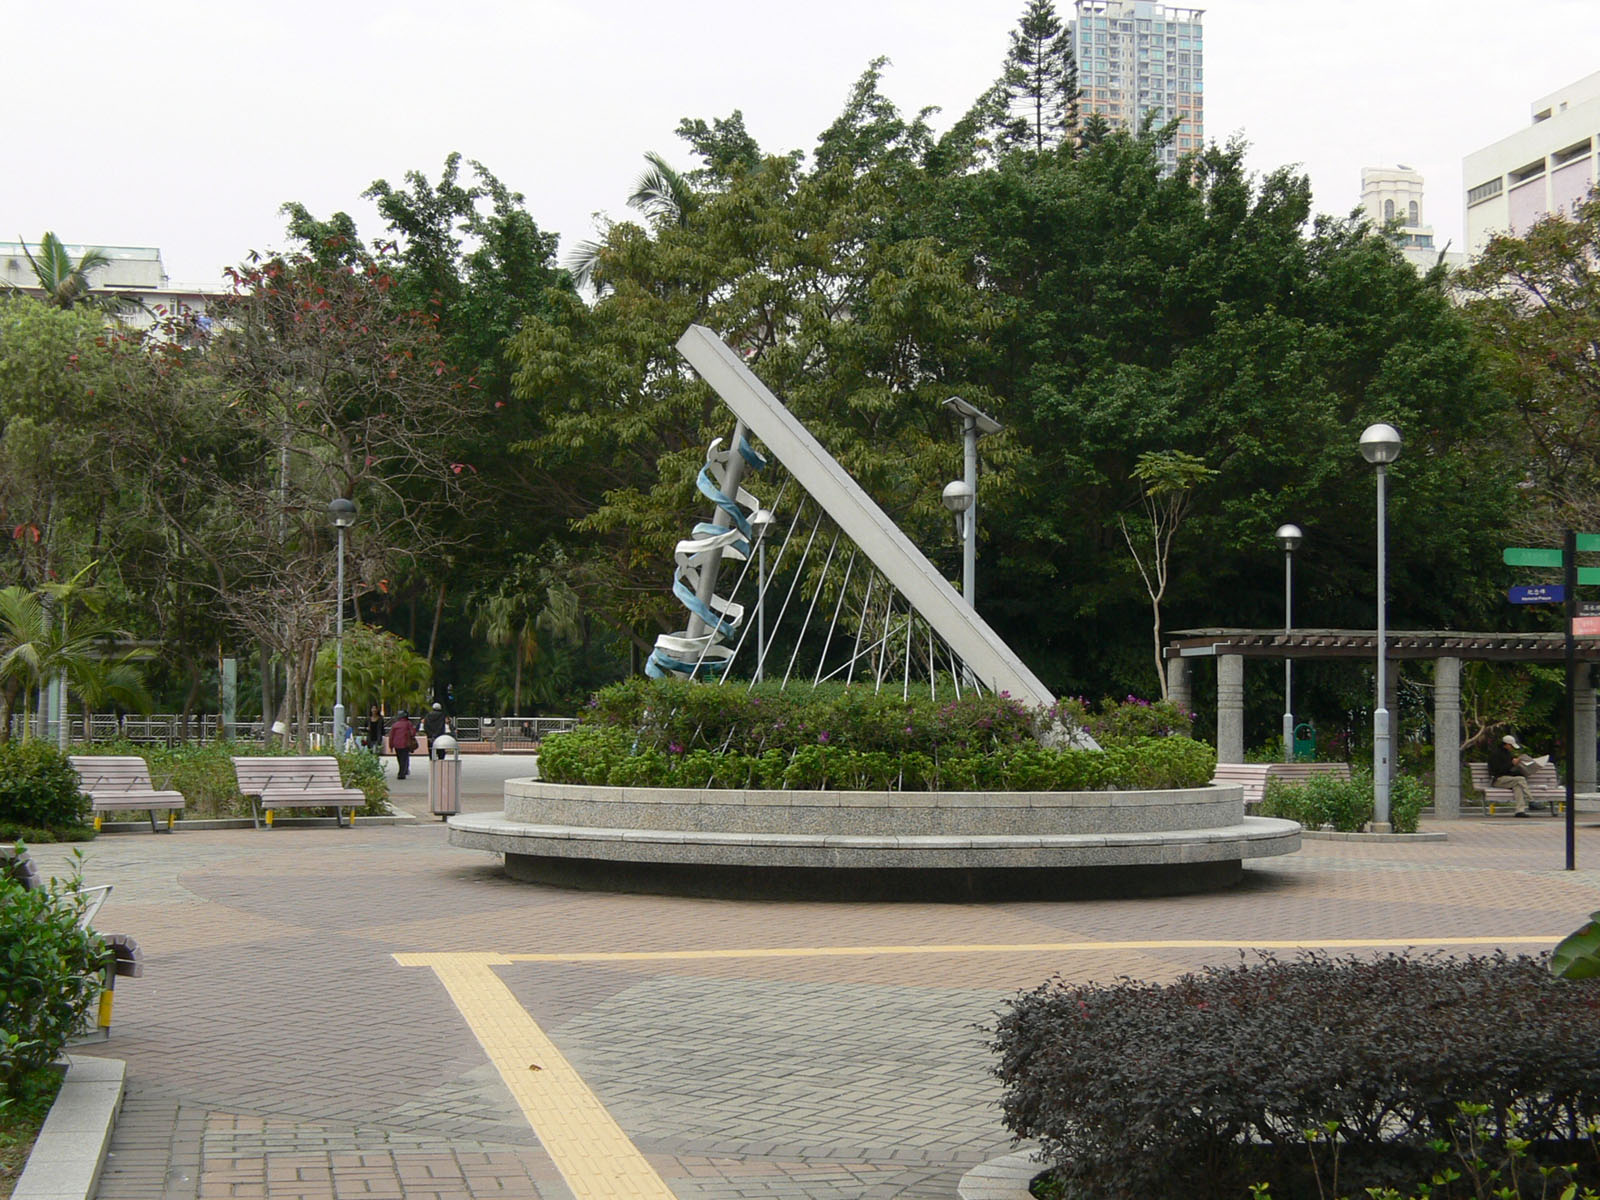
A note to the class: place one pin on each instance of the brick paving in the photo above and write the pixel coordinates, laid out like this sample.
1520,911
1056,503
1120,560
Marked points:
277,1051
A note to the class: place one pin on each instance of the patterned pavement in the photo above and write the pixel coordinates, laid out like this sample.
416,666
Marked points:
278,1049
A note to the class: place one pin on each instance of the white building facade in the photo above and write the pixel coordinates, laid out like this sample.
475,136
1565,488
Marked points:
1392,198
1137,57
135,271
1548,167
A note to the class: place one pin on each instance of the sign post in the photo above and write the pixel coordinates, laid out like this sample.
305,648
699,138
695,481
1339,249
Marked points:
1569,568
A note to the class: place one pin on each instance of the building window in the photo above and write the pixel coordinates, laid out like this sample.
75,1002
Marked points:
1388,211
1485,191
1415,215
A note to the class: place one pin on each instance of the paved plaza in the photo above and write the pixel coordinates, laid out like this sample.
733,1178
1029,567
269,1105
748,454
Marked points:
330,1014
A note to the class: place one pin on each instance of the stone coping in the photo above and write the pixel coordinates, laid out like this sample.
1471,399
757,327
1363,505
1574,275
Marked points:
1004,1178
1331,835
829,798
1254,837
66,1160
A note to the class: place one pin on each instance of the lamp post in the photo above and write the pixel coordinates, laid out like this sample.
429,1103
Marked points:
961,497
1289,537
343,513
760,524
1380,446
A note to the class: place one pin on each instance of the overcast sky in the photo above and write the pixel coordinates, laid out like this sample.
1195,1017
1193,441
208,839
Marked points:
186,125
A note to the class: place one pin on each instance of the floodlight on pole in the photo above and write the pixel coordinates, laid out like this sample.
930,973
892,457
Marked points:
1289,537
1380,446
961,497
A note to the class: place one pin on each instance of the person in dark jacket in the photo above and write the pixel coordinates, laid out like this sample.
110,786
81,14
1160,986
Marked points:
1509,769
434,724
402,740
374,739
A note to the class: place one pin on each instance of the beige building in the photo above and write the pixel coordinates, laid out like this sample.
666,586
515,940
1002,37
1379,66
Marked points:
1548,167
136,271
1393,199
1137,57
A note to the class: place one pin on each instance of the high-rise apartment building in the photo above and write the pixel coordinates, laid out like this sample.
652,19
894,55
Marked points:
1137,57
1546,167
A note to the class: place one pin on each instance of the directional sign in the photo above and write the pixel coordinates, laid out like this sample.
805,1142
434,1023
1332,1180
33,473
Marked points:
1586,626
1527,556
1589,608
1538,593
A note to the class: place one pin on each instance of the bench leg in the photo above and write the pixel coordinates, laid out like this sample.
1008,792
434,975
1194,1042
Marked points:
172,816
153,828
99,820
255,812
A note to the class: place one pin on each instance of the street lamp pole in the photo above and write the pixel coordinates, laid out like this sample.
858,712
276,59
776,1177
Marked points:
1289,538
760,523
961,497
1380,446
343,513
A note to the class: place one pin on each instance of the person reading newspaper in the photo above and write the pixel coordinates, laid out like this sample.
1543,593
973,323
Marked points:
1508,768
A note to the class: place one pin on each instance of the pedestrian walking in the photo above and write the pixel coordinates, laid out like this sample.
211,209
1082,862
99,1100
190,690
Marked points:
435,724
402,740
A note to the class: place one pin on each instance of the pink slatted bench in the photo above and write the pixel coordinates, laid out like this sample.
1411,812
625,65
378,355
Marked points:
1253,776
121,782
295,781
1543,786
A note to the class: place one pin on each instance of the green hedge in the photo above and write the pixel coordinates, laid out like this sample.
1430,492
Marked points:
39,796
1345,804
670,733
50,977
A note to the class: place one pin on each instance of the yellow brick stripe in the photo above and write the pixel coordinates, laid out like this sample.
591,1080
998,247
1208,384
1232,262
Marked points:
588,1147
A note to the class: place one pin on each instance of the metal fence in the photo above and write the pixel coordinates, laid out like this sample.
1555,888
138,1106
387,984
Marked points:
500,734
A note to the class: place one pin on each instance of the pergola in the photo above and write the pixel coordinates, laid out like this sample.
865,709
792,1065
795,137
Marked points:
1448,650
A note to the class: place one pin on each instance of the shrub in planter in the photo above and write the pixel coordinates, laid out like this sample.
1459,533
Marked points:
49,977
1205,1086
39,789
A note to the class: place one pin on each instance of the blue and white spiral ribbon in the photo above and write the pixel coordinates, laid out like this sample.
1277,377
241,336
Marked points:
707,654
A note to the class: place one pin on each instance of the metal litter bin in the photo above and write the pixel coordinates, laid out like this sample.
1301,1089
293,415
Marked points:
444,776
1305,742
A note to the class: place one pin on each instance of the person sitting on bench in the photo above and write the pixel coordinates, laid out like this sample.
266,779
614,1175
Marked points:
1508,769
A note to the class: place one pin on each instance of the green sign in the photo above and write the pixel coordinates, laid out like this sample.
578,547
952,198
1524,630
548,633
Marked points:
1589,541
1524,556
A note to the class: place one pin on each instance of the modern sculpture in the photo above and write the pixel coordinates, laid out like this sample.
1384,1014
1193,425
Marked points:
939,845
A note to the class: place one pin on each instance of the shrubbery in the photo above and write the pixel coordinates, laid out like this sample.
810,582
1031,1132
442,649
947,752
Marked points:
1209,1085
50,977
39,794
670,733
1345,804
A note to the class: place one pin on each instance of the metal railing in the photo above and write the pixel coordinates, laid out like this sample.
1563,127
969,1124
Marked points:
169,729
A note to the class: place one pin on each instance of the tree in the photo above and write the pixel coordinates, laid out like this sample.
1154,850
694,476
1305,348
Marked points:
1040,82
380,669
66,284
317,385
1167,481
1537,300
532,599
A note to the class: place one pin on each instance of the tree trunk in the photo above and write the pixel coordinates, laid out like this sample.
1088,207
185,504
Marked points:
516,685
267,705
433,637
8,700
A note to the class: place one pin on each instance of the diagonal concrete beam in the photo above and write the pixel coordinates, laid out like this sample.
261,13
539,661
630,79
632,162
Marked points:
860,518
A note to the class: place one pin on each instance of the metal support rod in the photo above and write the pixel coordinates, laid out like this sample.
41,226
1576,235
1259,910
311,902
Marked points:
1380,715
1569,565
761,606
969,543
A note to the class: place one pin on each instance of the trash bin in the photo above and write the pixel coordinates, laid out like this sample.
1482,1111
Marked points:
444,776
1305,742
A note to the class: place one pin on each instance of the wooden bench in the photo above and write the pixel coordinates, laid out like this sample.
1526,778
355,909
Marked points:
115,782
1253,777
122,957
295,781
1543,786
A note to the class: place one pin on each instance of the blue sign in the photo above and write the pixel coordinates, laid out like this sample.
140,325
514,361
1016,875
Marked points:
1538,593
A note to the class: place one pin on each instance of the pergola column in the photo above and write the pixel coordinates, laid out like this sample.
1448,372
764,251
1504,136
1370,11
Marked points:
1583,764
1230,708
1179,689
1447,737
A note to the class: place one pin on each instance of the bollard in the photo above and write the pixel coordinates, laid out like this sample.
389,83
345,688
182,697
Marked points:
444,776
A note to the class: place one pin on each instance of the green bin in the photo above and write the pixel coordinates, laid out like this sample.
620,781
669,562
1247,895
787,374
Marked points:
1305,742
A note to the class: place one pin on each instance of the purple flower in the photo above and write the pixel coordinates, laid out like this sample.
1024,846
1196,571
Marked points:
823,737
674,748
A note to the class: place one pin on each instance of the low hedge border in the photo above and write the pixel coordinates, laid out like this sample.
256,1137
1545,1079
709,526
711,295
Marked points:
1207,1086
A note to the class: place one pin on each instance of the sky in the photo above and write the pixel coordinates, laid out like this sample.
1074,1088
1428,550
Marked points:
186,125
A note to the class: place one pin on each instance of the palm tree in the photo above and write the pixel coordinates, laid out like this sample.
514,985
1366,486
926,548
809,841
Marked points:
666,198
515,616
66,283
